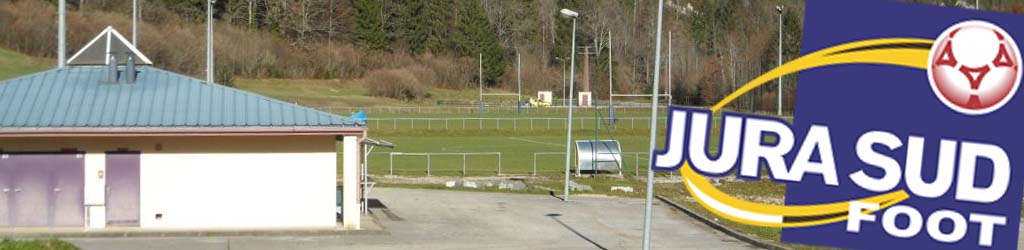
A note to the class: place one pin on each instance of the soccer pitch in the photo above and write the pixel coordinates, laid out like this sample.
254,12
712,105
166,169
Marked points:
520,145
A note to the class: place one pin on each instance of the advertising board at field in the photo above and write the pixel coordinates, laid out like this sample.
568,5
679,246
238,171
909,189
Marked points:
904,132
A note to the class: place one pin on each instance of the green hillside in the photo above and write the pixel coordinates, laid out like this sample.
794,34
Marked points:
13,64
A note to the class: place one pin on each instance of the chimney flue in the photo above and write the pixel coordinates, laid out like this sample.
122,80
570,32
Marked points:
112,68
130,69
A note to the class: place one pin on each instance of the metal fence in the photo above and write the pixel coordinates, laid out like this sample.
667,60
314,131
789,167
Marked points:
429,156
530,123
638,159
490,164
475,109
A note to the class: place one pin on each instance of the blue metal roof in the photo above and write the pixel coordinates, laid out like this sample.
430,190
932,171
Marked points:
82,97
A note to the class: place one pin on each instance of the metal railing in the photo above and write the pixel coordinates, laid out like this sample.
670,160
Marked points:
531,123
391,158
474,109
637,157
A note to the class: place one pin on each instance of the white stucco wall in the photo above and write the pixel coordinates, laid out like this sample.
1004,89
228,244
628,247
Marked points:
217,182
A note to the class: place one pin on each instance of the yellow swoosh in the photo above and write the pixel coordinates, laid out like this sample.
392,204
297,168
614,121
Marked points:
906,52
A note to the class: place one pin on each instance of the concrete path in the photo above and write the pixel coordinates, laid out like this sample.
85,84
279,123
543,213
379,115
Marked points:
438,219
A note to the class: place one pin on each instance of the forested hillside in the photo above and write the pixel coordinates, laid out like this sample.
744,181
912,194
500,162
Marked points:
716,44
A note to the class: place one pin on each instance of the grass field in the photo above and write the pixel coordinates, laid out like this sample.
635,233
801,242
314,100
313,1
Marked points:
14,64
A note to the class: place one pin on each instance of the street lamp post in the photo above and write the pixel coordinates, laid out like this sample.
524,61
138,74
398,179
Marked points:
779,8
572,77
648,203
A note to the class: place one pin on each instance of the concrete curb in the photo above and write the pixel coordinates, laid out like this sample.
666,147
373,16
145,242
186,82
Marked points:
723,228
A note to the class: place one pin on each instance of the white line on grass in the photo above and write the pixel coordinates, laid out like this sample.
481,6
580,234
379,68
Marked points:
537,142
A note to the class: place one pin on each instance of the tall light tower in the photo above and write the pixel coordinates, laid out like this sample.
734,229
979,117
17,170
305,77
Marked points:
779,8
572,77
135,21
480,80
209,41
519,83
61,33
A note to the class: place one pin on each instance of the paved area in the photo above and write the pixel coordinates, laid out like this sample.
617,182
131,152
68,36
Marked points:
438,219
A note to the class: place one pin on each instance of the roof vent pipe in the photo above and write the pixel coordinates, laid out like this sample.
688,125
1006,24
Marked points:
112,68
129,69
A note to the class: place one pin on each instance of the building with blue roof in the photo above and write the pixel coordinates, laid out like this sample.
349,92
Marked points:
111,140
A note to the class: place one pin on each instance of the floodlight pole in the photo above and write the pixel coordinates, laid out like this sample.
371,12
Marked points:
480,80
611,105
209,41
654,130
779,106
135,20
519,82
563,79
61,33
568,137
669,85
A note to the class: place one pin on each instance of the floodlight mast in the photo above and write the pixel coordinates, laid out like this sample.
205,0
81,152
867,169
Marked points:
572,77
519,82
563,79
61,33
209,41
611,104
135,20
780,8
480,80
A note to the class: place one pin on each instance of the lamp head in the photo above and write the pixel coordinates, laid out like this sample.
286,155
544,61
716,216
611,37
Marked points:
569,13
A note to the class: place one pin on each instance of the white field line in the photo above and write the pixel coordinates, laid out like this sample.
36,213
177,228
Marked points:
537,142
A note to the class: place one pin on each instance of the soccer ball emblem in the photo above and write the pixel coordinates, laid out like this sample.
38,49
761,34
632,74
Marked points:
974,67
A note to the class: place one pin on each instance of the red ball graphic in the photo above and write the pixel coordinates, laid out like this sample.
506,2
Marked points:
974,67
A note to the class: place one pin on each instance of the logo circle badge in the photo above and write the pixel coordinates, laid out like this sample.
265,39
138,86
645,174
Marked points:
974,67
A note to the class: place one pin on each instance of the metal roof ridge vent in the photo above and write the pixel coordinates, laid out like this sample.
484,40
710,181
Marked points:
112,69
129,69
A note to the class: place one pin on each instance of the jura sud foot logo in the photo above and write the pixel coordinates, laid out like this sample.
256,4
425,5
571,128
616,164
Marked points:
870,160
974,67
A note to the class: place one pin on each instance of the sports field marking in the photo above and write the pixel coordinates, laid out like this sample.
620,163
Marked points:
537,142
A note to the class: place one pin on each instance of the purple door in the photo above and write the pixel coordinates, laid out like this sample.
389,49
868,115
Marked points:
46,189
31,197
68,190
123,188
5,191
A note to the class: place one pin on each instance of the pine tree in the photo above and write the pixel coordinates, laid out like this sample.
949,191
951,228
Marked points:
416,28
438,19
369,28
476,36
